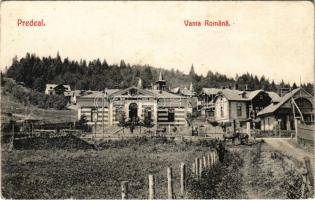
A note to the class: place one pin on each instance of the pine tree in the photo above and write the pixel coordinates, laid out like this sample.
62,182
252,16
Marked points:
147,77
294,86
192,71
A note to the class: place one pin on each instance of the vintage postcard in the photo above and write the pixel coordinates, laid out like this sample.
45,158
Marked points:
157,99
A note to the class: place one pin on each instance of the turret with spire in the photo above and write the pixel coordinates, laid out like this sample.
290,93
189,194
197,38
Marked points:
160,83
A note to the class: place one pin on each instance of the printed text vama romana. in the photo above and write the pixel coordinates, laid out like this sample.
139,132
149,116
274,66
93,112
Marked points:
207,23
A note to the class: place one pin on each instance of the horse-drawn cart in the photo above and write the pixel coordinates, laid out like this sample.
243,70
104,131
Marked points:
240,137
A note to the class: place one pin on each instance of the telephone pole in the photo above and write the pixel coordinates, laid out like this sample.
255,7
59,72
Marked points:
103,112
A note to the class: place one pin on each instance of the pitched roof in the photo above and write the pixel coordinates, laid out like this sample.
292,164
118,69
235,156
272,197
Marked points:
175,90
55,85
237,95
93,94
252,94
210,91
184,92
233,95
273,107
166,95
187,92
274,96
123,91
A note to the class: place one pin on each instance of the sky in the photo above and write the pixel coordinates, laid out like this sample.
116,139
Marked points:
275,39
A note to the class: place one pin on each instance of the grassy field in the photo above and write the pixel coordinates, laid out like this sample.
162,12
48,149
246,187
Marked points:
95,174
244,171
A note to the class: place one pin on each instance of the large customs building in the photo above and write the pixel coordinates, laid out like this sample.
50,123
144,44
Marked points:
163,107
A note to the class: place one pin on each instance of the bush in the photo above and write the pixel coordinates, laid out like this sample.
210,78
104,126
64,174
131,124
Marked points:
291,184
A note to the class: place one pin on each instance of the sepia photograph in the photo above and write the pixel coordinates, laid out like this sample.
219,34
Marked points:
157,99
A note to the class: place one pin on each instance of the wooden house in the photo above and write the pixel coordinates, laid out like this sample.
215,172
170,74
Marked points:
280,115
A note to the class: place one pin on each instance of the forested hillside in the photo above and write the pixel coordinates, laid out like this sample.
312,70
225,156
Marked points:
36,72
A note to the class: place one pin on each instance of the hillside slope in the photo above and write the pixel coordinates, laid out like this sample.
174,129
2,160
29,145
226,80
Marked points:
10,105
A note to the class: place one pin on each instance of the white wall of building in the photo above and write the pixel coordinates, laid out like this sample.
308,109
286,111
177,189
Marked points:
222,109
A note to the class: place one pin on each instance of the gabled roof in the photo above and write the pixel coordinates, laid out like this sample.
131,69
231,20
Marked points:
175,90
252,94
55,85
210,91
237,95
233,95
183,91
93,94
273,107
274,96
145,92
122,92
187,92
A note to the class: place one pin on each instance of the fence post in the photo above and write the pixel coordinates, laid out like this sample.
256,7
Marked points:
296,129
11,145
124,190
151,187
304,185
169,183
182,178
309,175
197,167
200,167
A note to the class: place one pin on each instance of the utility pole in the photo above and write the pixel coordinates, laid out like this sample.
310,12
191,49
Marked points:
103,112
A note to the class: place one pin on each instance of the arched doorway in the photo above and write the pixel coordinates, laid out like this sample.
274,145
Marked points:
133,111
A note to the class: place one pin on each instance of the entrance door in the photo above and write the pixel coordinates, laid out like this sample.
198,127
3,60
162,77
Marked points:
133,111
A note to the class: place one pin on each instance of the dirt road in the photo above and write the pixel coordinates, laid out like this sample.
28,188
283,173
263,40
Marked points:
283,145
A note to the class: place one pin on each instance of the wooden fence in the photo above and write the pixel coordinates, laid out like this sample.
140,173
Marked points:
198,166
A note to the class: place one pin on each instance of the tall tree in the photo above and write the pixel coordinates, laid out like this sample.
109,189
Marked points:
192,71
147,77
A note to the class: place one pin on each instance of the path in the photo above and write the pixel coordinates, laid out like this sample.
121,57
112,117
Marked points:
283,145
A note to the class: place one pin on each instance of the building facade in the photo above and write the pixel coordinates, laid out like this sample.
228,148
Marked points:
161,106
230,105
52,89
280,115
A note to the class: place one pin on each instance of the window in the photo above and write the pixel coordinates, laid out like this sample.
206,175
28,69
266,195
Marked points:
94,115
221,111
171,115
239,110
